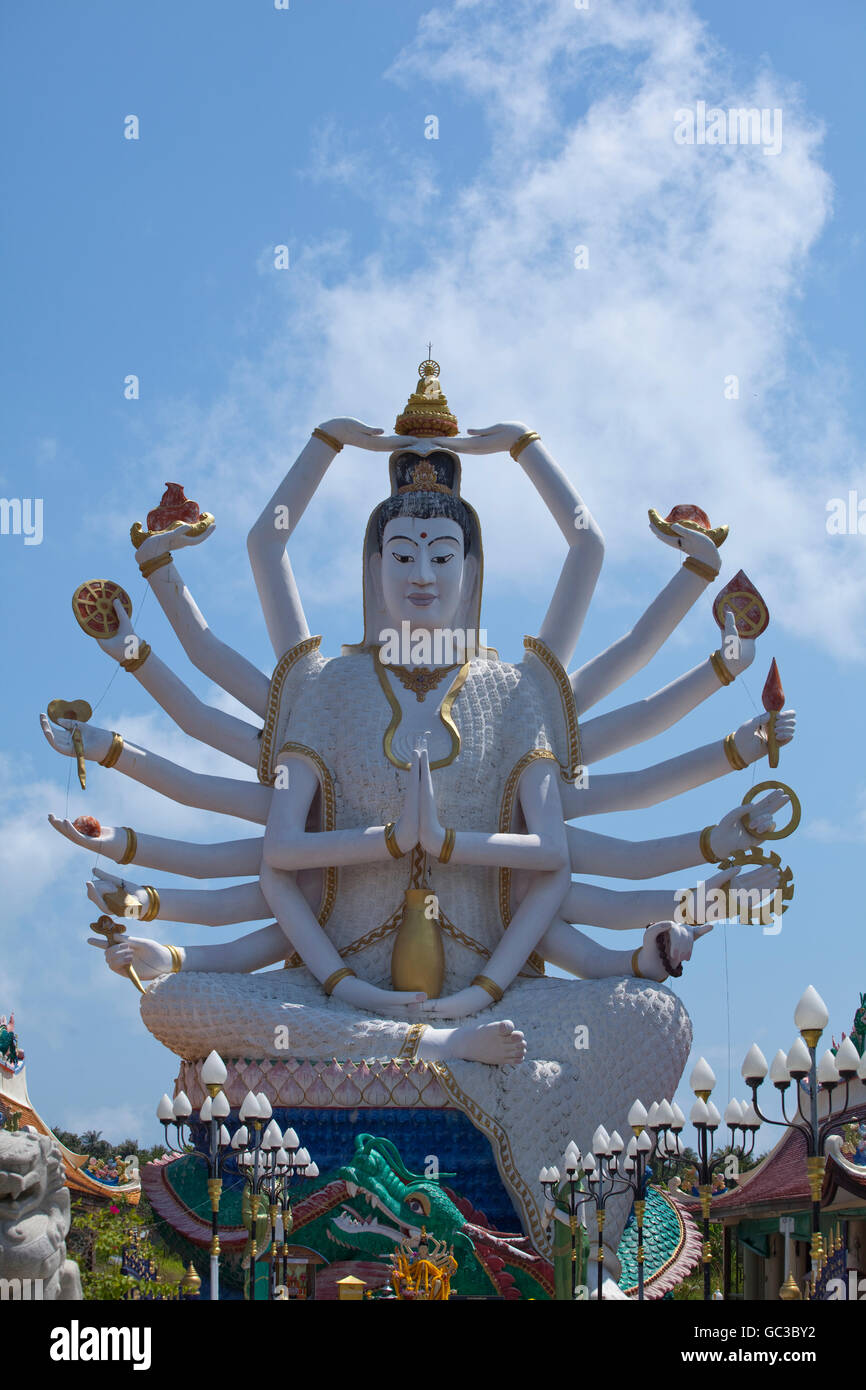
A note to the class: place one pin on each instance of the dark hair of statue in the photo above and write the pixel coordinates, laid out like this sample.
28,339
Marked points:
422,505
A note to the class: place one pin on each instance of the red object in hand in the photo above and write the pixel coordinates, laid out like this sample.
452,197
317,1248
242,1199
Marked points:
687,511
88,825
173,506
773,696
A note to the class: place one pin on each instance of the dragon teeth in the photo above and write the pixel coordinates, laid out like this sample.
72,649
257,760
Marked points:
352,1189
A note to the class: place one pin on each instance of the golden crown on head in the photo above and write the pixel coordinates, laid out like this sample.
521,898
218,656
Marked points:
424,479
426,415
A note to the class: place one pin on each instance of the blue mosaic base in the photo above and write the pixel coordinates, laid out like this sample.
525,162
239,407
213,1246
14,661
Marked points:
461,1149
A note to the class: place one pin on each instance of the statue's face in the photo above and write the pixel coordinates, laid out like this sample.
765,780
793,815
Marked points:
422,571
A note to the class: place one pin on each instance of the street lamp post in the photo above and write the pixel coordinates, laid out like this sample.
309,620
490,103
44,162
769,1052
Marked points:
214,1110
553,1184
813,1079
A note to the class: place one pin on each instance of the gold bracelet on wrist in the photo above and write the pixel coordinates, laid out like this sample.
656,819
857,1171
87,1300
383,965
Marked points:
327,439
721,669
700,568
634,970
491,987
333,980
447,845
152,904
113,753
131,846
517,448
149,567
391,841
733,754
706,844
134,663
176,959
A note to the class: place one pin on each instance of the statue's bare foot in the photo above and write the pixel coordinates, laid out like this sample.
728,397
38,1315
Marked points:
499,1044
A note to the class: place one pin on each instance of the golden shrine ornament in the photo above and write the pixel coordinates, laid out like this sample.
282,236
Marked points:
93,606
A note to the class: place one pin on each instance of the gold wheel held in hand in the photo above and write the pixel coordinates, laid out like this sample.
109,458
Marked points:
93,606
753,858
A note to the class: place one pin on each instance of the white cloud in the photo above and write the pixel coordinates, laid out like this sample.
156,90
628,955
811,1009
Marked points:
697,261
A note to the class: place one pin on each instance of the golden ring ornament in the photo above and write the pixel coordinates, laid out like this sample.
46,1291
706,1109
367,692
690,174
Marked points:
93,606
753,858
796,809
718,535
740,601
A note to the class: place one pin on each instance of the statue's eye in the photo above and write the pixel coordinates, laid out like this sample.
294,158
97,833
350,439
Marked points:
402,559
442,559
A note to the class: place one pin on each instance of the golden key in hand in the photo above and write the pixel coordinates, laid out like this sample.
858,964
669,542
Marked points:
112,930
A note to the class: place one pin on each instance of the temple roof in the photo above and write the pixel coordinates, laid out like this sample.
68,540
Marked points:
780,1182
14,1098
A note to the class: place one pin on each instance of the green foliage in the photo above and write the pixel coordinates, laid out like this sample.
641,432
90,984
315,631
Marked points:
91,1142
98,1239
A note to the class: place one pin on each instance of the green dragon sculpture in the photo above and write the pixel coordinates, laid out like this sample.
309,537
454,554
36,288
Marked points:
376,1201
362,1211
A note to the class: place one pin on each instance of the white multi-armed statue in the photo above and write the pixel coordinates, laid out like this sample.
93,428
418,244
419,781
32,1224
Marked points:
416,794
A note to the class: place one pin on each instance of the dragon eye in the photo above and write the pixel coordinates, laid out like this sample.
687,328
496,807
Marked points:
419,1204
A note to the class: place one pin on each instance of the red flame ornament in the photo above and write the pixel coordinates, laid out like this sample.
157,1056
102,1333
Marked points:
772,695
773,699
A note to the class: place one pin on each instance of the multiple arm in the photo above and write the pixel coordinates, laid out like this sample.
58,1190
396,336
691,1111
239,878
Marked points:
206,907
221,663
628,791
227,859
624,658
246,800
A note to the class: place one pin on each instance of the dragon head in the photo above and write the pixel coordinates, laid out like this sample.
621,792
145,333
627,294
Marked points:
386,1203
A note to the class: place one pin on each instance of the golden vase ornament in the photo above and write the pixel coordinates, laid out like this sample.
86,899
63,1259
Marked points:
418,957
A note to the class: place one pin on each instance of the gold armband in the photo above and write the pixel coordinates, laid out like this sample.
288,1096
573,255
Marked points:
333,980
328,439
706,847
634,970
152,904
176,959
131,846
149,567
391,841
447,846
491,987
733,754
517,448
721,669
700,568
134,663
113,753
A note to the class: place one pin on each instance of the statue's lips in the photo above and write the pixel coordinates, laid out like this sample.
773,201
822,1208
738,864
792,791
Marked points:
422,600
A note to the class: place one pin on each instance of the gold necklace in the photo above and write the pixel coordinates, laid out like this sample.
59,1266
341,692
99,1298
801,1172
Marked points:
421,679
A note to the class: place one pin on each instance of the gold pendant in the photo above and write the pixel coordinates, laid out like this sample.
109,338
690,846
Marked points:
422,679
418,957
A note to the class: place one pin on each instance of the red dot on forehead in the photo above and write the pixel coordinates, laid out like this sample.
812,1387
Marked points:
423,535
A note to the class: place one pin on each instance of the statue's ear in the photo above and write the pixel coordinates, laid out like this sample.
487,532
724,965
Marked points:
470,575
374,569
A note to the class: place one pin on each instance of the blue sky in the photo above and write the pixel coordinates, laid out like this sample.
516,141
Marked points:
306,127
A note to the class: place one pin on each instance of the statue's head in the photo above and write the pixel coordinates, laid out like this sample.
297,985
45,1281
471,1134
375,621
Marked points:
422,552
423,565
